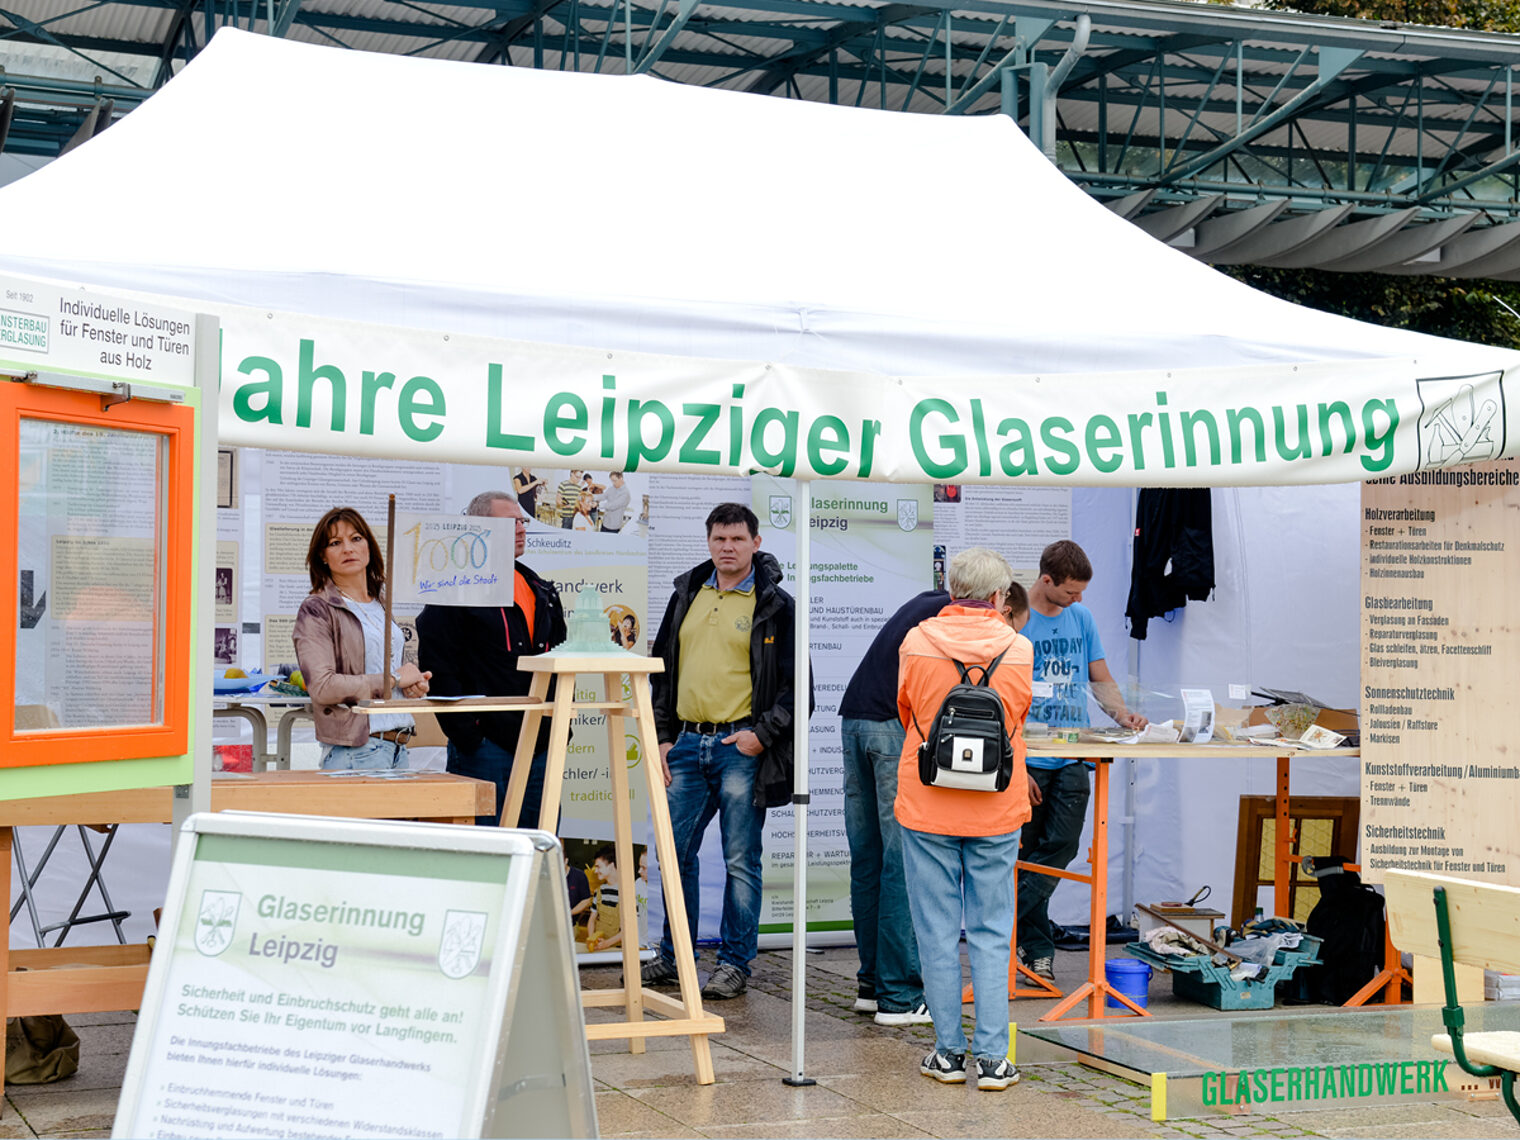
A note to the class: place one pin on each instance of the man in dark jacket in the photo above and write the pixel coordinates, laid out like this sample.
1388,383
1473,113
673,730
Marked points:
474,650
723,716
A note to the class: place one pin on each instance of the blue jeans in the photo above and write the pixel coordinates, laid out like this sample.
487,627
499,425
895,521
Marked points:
491,762
371,756
710,778
878,890
1051,838
948,877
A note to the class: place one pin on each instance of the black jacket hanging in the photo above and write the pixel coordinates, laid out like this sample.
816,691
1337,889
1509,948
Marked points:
1174,553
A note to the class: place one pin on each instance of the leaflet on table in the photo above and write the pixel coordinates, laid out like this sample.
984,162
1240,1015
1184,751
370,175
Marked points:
1197,716
315,999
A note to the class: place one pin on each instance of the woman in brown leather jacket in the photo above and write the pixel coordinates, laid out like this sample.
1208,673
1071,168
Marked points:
340,636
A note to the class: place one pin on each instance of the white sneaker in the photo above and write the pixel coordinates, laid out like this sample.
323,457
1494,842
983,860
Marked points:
995,1075
864,1002
918,1015
1045,968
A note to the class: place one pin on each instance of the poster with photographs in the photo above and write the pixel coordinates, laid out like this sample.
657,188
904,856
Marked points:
576,499
601,894
224,645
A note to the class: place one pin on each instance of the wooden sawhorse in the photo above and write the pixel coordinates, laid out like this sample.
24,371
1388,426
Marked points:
628,674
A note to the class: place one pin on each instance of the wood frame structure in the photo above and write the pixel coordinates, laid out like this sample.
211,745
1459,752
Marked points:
683,1017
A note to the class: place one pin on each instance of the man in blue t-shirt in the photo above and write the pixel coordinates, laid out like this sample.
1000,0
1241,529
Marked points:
1068,665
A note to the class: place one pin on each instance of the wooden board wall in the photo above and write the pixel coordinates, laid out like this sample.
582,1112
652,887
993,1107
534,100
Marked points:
1441,672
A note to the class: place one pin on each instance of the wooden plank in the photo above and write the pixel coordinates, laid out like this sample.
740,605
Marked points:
1499,1047
133,954
428,795
90,989
685,1027
1429,986
1485,918
1439,655
581,663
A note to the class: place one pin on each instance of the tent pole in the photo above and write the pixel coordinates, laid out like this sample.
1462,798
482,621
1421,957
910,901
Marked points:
801,688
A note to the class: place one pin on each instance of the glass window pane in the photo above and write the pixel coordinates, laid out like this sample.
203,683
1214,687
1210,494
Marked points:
89,651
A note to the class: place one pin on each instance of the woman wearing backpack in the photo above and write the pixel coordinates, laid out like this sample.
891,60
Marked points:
960,845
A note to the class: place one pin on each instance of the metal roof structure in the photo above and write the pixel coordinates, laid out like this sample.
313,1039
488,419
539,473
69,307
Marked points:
1240,135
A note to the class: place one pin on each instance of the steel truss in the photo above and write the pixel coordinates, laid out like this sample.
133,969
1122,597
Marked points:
1239,135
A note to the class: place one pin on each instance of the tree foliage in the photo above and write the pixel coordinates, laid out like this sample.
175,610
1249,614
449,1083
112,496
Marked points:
1466,310
1475,15
1443,306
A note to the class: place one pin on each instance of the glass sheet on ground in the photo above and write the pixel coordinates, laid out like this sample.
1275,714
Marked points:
1194,1046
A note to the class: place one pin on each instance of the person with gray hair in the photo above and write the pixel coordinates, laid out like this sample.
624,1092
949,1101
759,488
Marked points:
960,846
475,649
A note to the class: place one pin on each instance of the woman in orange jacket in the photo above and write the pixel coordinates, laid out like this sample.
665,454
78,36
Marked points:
960,846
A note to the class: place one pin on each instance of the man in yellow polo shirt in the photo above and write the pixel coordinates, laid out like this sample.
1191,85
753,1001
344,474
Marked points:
723,714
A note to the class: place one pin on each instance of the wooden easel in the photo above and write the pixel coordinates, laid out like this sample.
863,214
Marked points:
684,1017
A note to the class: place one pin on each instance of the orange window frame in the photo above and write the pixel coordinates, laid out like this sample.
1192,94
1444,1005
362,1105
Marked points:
176,424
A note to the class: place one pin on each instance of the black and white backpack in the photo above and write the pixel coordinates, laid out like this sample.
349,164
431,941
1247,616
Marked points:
967,745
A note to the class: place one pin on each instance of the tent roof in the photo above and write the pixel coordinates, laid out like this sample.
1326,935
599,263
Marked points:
626,212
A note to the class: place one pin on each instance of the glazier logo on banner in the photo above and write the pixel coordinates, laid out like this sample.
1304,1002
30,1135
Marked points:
781,511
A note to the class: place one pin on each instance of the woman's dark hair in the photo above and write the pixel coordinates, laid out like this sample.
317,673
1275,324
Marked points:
374,573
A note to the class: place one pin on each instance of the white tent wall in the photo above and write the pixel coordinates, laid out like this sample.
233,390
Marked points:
1284,614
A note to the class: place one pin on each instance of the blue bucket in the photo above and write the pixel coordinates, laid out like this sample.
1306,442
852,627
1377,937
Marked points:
1131,978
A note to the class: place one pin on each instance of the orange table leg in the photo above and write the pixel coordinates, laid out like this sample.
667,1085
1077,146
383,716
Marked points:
1096,988
1390,979
1283,861
1045,989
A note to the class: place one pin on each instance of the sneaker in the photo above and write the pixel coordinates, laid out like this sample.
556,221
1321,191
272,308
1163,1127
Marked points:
918,1015
865,1000
659,972
1023,957
947,1068
992,1075
1045,968
726,982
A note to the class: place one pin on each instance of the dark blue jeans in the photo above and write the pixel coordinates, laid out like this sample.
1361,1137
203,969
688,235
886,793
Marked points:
878,888
1051,838
488,761
710,778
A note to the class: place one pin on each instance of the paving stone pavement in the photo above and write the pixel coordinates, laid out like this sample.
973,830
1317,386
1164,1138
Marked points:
867,1081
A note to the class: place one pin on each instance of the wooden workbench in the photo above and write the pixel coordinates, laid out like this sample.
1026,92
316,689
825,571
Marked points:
1096,988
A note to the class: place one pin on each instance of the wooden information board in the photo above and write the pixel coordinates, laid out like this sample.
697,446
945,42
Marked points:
1440,609
335,978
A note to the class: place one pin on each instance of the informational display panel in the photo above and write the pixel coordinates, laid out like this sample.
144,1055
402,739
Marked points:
1440,774
328,978
91,538
871,550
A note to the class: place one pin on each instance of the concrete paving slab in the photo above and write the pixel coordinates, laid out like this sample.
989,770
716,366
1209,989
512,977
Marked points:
1014,1113
850,1127
618,1113
51,1109
748,1102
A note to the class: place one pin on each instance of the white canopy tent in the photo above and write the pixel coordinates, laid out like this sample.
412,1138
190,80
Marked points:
609,215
